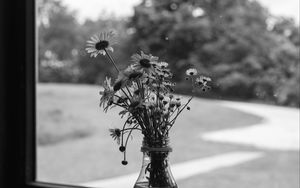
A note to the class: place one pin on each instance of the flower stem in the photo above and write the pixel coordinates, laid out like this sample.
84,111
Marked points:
131,129
111,60
173,120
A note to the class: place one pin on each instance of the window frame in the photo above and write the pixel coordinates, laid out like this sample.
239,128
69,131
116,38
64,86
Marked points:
18,96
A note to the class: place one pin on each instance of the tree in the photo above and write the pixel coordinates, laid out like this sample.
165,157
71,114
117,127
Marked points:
62,43
230,40
58,41
287,91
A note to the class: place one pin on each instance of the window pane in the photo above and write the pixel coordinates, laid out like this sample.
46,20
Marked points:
243,131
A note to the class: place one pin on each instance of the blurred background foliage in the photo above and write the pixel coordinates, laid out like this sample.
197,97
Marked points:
249,54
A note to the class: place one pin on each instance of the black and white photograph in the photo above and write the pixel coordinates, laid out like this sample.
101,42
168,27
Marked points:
150,94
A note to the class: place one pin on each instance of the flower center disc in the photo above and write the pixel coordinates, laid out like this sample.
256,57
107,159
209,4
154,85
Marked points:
101,45
145,63
135,75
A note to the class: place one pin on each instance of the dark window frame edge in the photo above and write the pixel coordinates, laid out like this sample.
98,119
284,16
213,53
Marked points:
27,111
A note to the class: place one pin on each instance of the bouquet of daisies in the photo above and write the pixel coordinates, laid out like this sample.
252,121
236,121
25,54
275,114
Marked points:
143,91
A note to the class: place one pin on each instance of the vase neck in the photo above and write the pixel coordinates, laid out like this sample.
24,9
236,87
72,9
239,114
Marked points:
156,145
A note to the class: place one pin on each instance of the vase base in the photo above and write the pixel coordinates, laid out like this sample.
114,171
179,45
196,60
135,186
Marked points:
146,185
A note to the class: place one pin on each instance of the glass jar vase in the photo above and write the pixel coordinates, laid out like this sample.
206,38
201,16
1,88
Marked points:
155,171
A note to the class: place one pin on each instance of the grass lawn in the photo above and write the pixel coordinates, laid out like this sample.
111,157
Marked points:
74,145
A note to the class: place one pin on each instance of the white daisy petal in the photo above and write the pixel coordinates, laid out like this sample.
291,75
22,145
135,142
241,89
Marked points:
91,50
94,38
101,36
102,52
110,49
90,45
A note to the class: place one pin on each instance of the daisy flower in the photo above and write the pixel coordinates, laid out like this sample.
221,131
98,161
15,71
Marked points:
161,70
191,72
149,104
115,134
162,64
132,74
202,82
135,106
144,62
99,43
108,92
129,74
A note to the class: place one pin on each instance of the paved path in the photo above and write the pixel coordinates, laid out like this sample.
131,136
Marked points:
279,130
183,170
